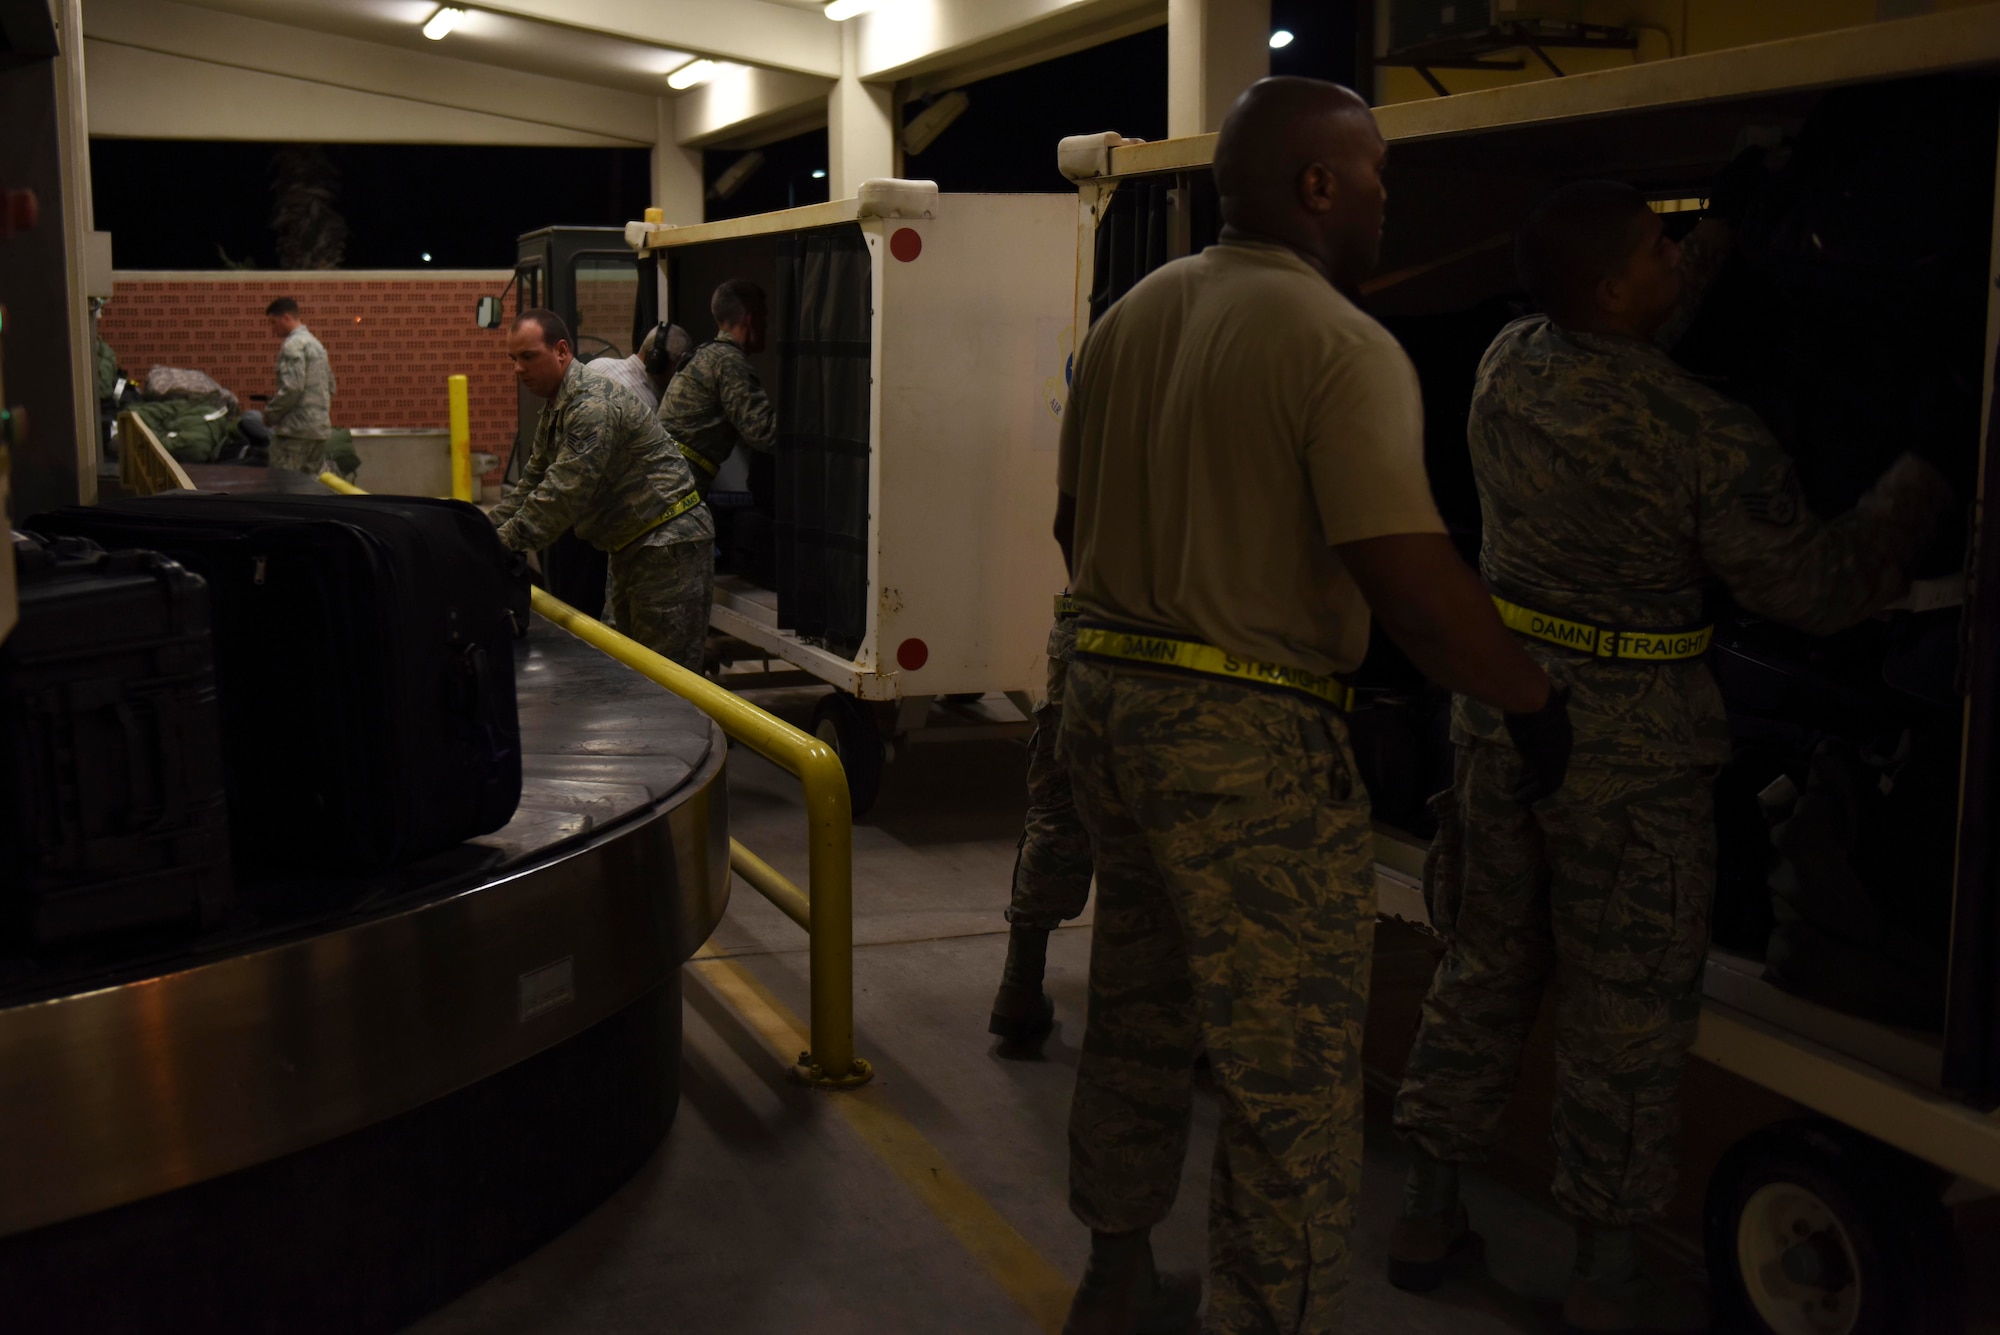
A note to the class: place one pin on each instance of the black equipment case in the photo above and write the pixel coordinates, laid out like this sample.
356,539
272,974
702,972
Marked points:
112,809
365,655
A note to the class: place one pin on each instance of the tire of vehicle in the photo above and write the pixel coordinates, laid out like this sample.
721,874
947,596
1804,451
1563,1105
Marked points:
1812,1228
846,725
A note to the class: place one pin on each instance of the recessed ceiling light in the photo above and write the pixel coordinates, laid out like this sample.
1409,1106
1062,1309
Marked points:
819,173
427,257
1281,39
442,22
842,10
692,73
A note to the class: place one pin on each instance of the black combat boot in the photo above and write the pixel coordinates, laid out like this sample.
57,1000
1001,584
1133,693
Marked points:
1611,1291
1123,1294
1433,1229
1023,1015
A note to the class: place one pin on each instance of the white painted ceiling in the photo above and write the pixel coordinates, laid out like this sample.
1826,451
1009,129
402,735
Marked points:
495,39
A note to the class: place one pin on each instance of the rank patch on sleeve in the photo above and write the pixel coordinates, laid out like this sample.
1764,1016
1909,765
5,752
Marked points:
1780,507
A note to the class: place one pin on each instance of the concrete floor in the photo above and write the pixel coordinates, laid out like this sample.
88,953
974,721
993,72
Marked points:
934,1199
771,1209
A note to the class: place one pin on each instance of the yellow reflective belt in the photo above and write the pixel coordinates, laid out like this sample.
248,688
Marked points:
674,511
700,461
1646,646
1065,606
1160,651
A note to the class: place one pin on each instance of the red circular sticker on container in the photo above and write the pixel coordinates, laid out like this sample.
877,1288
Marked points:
906,245
912,654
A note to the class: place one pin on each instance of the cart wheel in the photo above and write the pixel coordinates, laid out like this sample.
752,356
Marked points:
846,725
1815,1229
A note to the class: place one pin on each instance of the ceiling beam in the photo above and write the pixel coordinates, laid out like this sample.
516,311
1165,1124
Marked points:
534,107
743,108
910,39
747,32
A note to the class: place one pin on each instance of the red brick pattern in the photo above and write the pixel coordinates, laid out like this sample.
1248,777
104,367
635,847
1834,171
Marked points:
392,343
604,311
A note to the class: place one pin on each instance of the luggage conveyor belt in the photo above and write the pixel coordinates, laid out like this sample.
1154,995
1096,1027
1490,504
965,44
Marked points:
338,1126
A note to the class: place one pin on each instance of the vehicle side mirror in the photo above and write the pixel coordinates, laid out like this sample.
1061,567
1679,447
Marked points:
489,313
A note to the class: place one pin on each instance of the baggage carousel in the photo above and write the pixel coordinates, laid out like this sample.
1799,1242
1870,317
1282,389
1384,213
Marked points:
359,1098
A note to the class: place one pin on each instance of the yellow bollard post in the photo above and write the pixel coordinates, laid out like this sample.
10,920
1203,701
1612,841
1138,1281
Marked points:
461,439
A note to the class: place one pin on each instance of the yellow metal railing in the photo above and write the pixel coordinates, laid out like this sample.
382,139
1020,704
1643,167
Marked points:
144,466
827,912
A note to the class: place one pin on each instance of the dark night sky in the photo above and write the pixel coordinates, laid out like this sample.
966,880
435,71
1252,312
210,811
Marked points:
176,204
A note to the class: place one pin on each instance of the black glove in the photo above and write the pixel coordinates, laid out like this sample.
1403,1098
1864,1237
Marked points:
520,598
1736,188
1544,739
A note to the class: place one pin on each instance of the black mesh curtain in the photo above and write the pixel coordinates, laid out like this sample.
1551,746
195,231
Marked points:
1132,238
824,317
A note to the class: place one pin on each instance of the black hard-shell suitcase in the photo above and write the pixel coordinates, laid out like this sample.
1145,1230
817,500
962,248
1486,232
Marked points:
365,655
112,810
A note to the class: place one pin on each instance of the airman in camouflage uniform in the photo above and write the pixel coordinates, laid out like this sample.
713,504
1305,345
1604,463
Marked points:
602,464
299,414
716,402
1614,488
1052,869
1241,483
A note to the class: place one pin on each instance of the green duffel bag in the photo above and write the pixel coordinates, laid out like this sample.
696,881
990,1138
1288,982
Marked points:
340,455
194,432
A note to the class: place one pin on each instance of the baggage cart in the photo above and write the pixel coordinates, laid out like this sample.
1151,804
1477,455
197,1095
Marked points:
917,365
1834,1224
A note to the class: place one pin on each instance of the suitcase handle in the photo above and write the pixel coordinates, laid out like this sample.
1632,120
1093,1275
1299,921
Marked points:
169,812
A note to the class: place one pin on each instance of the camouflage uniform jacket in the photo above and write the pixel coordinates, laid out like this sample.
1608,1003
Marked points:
1615,488
716,401
304,400
602,464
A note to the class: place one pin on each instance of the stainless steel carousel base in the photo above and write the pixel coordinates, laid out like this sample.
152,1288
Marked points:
339,1126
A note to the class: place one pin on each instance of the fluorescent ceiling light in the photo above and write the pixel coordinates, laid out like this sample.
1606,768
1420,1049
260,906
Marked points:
1281,39
842,10
692,73
442,22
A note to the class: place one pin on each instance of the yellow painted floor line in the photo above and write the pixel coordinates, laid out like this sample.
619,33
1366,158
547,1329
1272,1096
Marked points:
1041,1290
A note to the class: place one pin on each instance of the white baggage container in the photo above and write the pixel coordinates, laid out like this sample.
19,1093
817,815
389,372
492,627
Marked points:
968,335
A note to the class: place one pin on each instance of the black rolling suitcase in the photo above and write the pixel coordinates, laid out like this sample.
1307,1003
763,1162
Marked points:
112,810
365,657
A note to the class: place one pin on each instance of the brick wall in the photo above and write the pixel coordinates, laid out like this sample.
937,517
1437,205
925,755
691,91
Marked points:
392,341
604,310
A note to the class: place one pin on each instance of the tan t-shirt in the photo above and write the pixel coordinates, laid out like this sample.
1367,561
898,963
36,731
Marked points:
1232,419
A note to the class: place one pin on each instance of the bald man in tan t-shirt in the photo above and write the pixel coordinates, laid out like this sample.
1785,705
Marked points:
1242,480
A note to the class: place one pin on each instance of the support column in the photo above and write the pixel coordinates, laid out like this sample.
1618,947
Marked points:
677,185
1215,49
860,123
73,134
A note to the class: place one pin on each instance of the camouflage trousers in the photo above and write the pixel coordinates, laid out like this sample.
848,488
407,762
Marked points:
1235,909
658,593
298,453
1602,893
1052,869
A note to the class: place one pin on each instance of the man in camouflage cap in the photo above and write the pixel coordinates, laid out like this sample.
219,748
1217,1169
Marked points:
1241,480
601,463
300,413
716,402
1052,869
1614,486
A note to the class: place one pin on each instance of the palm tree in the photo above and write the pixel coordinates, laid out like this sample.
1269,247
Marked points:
304,188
